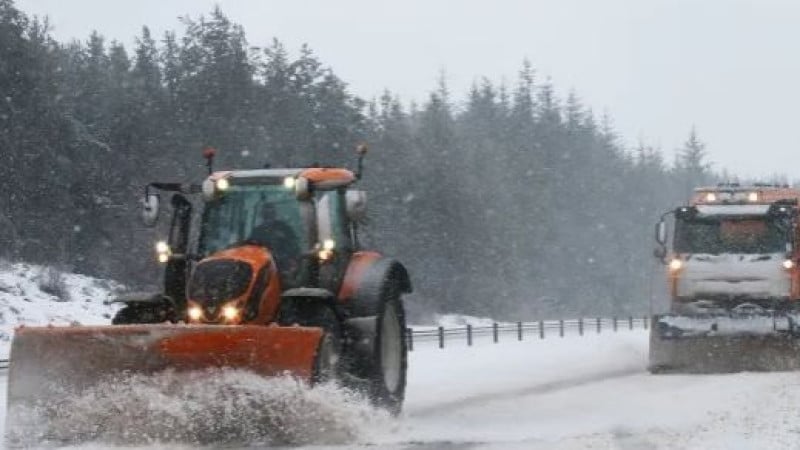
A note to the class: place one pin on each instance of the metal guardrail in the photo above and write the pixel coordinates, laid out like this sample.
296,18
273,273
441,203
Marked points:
520,330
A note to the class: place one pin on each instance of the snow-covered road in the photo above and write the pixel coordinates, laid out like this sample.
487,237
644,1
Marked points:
590,392
575,393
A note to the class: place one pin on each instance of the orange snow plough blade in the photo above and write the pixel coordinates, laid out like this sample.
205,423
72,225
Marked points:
49,364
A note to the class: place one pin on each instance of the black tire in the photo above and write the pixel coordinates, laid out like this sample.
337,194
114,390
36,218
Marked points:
387,377
139,314
312,313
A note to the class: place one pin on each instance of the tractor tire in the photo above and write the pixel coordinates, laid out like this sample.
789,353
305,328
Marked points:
387,374
309,313
139,314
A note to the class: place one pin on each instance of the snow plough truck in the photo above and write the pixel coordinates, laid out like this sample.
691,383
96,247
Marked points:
734,283
272,279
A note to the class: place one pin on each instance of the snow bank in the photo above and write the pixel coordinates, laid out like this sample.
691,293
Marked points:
461,321
37,295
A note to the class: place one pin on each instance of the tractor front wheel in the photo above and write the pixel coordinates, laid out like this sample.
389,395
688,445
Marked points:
138,314
309,313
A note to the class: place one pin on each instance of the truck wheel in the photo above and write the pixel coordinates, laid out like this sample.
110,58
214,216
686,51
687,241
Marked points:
390,357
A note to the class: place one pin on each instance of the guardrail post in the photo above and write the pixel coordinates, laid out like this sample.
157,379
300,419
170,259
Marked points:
441,337
519,331
598,325
561,327
580,327
410,339
630,322
495,333
645,320
541,329
614,324
469,335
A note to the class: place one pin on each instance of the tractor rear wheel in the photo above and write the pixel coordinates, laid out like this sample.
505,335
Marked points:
390,356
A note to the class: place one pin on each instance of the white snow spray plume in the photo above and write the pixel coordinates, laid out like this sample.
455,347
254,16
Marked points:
216,407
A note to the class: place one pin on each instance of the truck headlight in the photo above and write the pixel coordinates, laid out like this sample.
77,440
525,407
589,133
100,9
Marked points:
675,265
788,264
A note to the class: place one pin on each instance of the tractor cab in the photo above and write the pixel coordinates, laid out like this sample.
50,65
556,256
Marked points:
261,234
266,232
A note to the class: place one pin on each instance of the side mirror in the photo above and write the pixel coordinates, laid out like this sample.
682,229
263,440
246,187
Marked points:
789,250
661,232
660,253
356,205
150,209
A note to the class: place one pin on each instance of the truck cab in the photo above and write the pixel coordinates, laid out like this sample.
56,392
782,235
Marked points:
733,249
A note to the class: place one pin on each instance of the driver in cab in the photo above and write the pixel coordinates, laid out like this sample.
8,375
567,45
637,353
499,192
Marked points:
279,237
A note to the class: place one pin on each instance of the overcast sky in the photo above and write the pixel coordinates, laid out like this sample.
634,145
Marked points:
730,67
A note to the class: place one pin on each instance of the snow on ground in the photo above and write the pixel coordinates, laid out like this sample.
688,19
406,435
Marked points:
36,295
588,392
578,393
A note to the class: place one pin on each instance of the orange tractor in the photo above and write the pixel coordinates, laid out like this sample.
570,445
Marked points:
273,280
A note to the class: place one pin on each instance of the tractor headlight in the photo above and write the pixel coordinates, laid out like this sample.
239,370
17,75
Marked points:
788,264
230,312
223,184
162,247
163,252
675,265
195,313
325,252
325,255
289,182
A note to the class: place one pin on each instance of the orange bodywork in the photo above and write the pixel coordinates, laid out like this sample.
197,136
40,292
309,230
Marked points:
359,263
328,178
257,257
765,194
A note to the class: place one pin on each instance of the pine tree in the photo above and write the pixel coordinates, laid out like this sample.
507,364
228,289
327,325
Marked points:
690,164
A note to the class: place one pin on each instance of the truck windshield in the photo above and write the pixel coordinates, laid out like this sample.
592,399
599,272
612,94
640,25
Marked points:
725,235
259,214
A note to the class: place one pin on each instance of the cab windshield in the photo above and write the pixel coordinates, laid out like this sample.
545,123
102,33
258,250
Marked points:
245,213
716,235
